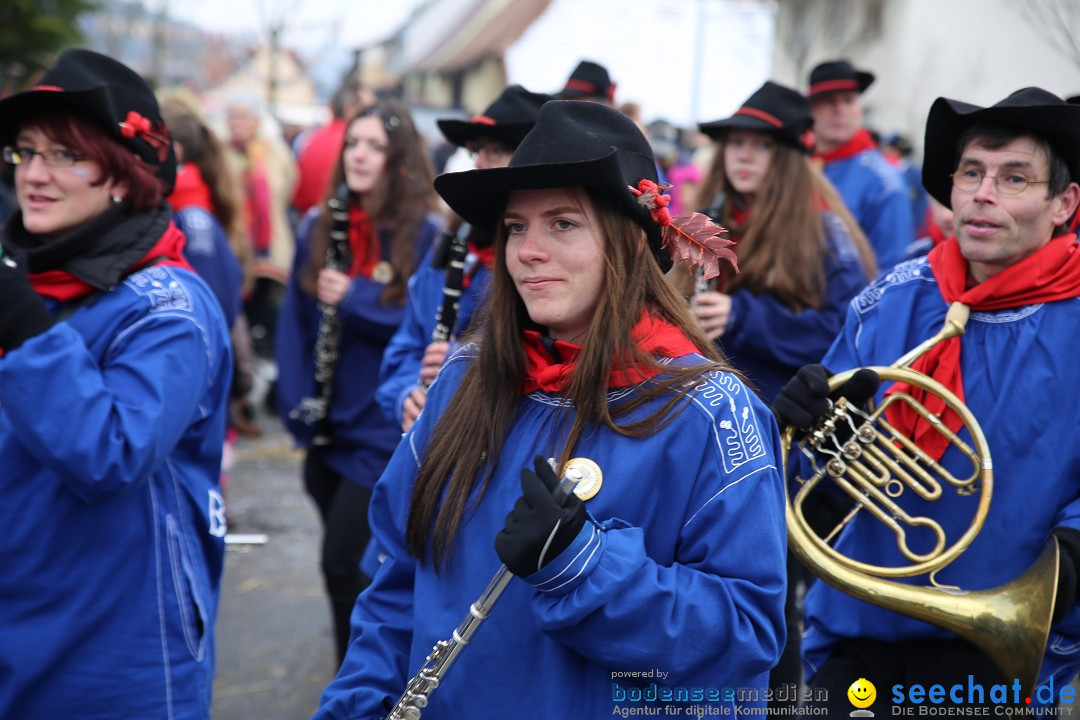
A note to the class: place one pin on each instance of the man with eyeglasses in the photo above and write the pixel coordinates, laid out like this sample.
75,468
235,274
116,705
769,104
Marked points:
1010,173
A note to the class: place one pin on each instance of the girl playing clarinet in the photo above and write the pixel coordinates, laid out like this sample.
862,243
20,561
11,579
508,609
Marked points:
662,576
382,191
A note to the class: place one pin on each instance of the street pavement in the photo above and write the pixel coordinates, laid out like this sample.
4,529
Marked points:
274,648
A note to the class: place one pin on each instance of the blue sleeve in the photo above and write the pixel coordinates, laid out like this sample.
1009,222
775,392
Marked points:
763,326
122,416
608,600
207,250
375,670
294,339
401,361
362,310
887,223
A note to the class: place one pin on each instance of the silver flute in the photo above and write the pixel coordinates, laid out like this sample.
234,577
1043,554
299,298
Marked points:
442,656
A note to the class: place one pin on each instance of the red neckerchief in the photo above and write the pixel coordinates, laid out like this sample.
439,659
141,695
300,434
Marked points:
654,336
190,189
63,286
859,142
363,243
1051,273
484,257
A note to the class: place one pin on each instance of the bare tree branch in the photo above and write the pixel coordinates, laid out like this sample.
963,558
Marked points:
1057,21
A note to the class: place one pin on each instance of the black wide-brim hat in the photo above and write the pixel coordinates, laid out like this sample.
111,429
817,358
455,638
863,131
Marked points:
779,111
573,144
837,76
1030,110
507,120
108,94
588,80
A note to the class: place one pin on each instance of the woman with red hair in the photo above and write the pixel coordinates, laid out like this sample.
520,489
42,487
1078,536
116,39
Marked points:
114,376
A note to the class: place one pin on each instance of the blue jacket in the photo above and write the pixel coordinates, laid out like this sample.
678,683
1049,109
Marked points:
363,437
769,341
401,362
876,195
111,430
207,249
679,572
1016,365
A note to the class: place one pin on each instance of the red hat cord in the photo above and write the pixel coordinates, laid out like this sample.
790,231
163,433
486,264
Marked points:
691,237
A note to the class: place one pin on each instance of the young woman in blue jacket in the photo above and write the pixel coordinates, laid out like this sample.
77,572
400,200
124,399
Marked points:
661,579
344,301
802,258
801,255
114,378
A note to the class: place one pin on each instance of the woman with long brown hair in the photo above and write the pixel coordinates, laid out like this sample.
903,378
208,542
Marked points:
801,255
661,577
802,258
345,299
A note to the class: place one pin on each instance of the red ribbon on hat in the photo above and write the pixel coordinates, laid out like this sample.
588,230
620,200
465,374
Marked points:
136,124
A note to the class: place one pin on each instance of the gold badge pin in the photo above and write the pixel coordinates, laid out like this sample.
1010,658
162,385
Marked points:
591,477
383,272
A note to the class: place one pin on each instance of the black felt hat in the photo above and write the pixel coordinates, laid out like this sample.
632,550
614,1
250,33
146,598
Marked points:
774,109
835,76
1031,110
506,120
573,144
105,92
588,80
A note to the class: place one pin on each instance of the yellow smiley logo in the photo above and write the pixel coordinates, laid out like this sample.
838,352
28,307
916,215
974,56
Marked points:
862,693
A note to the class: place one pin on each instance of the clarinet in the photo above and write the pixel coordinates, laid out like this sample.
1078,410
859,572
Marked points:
442,656
314,410
446,315
715,211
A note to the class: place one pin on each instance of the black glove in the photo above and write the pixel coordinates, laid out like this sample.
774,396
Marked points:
23,314
530,524
805,397
1068,562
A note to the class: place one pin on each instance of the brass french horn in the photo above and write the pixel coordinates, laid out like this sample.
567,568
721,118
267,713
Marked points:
1010,623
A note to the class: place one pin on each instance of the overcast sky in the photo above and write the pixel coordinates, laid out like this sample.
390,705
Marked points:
311,26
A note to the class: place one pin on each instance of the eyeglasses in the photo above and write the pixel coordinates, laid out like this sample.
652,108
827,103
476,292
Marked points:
52,158
970,180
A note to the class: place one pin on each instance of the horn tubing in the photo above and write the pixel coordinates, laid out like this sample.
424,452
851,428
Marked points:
1010,623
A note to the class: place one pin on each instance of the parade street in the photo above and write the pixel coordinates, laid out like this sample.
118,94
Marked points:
274,650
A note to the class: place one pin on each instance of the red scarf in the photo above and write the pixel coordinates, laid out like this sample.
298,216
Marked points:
257,205
654,336
859,142
190,189
1051,273
363,243
63,286
486,255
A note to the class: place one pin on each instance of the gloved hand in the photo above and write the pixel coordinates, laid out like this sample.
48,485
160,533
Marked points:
536,519
23,314
806,397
